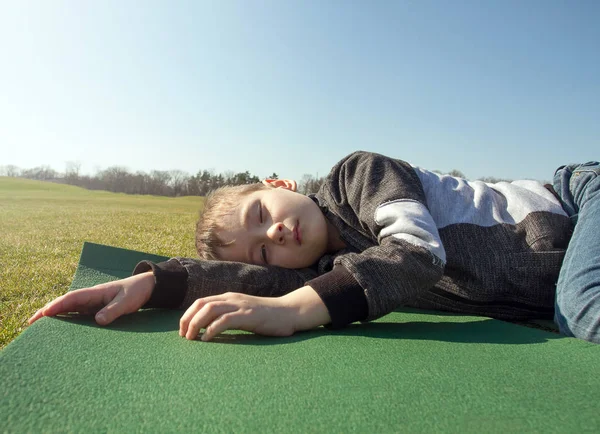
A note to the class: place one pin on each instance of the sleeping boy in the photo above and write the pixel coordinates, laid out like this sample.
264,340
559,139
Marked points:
379,234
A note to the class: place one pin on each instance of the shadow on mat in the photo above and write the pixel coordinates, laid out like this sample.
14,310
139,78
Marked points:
143,321
482,331
486,331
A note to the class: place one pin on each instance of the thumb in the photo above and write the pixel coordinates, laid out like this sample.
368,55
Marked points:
113,310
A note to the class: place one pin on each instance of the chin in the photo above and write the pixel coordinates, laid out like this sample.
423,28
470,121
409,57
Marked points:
300,264
310,262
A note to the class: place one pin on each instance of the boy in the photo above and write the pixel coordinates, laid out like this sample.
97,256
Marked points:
380,233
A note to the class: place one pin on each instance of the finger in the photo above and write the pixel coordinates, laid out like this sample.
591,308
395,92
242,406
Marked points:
207,315
114,309
189,314
70,302
37,315
52,308
228,321
192,310
196,306
41,312
78,300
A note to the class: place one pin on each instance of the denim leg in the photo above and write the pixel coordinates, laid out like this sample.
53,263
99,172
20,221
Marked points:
577,308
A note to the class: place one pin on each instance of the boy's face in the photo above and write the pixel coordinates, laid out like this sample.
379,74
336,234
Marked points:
275,226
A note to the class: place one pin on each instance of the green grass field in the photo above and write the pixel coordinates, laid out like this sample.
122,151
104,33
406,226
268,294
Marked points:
44,225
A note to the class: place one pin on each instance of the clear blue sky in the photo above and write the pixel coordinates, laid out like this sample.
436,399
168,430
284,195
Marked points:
492,88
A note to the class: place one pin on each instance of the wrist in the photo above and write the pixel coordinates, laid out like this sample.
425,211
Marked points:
307,309
170,283
147,284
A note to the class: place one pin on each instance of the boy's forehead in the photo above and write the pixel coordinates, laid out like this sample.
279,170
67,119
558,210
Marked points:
235,219
233,228
229,229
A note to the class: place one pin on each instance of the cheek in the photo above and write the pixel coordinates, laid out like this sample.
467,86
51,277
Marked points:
291,259
319,230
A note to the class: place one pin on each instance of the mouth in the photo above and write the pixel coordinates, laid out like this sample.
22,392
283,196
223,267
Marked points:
297,234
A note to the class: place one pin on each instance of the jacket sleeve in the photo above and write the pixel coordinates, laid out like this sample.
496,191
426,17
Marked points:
180,281
384,201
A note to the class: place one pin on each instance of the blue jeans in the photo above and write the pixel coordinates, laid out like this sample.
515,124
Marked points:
577,307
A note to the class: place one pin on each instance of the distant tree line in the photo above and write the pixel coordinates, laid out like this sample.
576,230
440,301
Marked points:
172,183
163,182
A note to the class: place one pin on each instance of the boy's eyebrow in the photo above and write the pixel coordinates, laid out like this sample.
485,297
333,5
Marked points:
245,213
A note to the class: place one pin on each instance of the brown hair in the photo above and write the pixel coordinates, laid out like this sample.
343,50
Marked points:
218,204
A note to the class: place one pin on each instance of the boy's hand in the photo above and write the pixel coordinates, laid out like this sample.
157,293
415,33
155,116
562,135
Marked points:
265,316
278,316
110,300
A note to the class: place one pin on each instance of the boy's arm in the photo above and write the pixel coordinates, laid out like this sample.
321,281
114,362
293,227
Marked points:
220,295
382,199
368,285
181,281
193,284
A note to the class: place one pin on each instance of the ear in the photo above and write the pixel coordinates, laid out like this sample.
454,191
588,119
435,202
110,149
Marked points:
288,184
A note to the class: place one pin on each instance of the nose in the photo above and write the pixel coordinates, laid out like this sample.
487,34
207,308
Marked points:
276,233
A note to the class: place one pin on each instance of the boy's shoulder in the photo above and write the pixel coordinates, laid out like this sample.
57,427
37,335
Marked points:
365,164
365,157
362,181
367,172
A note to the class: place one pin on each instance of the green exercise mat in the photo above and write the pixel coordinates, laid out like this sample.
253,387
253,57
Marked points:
406,372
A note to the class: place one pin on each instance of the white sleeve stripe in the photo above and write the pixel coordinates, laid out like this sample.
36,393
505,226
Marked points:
410,220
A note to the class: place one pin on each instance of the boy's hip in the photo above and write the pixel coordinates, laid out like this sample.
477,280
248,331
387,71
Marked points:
575,184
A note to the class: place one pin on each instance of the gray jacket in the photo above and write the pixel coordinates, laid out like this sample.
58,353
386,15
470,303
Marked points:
414,238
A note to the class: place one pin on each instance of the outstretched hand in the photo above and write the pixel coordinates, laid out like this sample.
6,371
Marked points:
107,301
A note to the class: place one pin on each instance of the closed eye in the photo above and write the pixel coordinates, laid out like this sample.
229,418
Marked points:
263,254
263,248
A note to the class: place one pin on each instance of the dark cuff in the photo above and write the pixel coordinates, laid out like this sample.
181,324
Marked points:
343,296
171,283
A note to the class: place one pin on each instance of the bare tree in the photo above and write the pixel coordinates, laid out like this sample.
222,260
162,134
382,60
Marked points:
310,184
179,182
114,178
72,169
163,183
159,182
225,179
10,170
456,173
494,180
42,173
